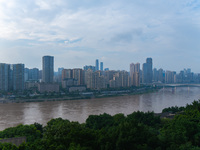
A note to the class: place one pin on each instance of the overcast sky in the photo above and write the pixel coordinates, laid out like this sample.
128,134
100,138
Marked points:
117,32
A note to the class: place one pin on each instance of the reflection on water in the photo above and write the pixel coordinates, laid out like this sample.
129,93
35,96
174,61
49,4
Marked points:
78,110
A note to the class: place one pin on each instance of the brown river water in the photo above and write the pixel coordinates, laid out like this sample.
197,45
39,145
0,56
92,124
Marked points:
12,114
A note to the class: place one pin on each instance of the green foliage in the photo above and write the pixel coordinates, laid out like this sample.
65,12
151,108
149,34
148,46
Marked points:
7,146
99,121
62,133
173,109
144,118
38,127
183,132
29,131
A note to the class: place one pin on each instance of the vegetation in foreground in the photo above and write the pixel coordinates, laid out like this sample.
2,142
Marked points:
136,131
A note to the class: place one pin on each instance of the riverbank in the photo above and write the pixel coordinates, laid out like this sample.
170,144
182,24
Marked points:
85,95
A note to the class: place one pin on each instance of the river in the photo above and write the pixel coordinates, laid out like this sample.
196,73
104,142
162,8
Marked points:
12,114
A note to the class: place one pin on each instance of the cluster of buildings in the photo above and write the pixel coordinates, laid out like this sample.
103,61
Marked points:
169,77
11,77
15,77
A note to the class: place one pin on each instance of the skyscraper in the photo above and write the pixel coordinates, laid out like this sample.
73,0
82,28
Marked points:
149,70
135,74
144,73
47,69
67,73
93,68
155,75
18,77
97,65
78,74
160,75
4,76
89,78
26,74
132,69
147,73
169,76
101,66
33,74
59,76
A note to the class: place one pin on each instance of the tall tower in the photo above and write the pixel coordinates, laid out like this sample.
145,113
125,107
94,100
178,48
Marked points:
135,74
149,70
101,66
18,77
4,76
132,69
47,69
78,75
147,73
97,65
144,73
137,67
160,75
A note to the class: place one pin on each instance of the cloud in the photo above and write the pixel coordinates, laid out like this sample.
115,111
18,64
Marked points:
100,28
127,37
43,4
73,41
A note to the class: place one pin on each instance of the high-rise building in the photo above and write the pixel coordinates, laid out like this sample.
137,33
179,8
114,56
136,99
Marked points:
132,69
125,78
26,74
149,70
101,66
144,73
18,77
59,77
67,74
136,79
89,78
160,75
47,69
108,75
94,80
4,76
78,74
147,73
33,74
40,75
106,69
97,65
155,75
93,68
99,80
135,74
170,76
137,67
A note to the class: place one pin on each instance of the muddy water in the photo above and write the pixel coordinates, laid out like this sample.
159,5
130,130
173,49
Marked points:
13,114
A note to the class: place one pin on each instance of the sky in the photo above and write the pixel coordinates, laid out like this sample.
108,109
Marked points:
117,32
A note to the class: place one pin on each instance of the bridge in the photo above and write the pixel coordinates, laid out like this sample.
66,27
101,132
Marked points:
177,85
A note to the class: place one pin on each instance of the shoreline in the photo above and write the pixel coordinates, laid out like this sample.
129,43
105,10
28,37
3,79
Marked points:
78,97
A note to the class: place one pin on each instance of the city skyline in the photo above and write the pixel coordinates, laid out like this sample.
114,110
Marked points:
116,32
94,65
16,77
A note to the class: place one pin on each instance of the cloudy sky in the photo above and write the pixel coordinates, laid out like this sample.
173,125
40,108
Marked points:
117,32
